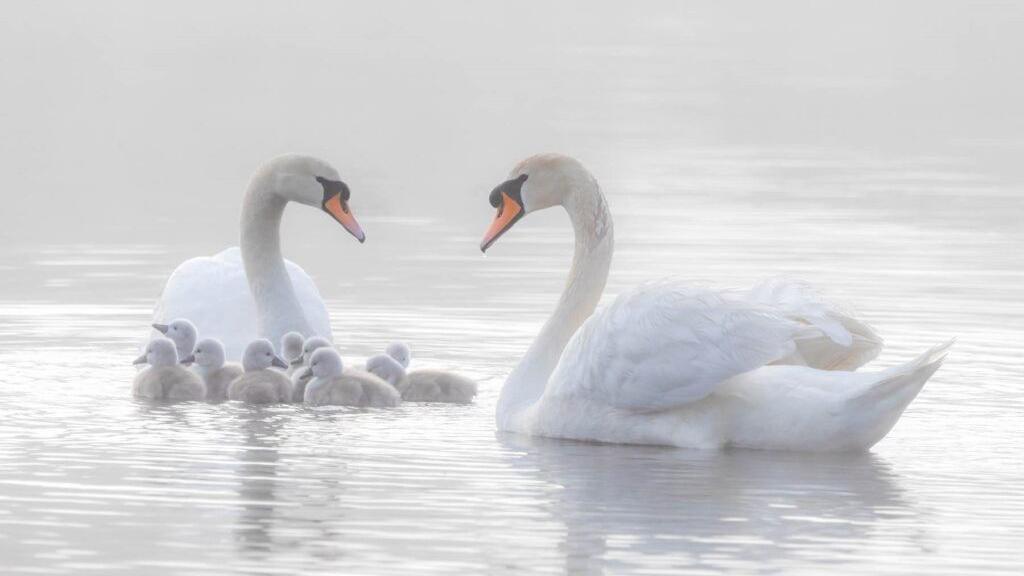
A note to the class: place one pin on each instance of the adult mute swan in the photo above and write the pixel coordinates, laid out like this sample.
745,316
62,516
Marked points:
674,365
335,386
261,384
253,292
165,379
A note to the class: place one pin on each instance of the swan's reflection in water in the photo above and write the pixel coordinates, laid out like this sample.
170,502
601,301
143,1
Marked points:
733,510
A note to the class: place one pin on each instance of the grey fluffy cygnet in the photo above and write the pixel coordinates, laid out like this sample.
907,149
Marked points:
420,385
165,379
184,335
302,376
210,365
260,384
333,385
291,351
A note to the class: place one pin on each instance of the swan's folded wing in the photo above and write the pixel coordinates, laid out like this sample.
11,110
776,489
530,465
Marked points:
832,339
664,345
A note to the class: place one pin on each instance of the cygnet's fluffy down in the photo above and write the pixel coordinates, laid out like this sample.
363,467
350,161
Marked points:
260,384
165,379
389,370
217,375
423,385
184,335
333,385
291,351
302,376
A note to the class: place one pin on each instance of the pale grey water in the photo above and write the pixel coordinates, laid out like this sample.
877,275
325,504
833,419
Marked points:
873,151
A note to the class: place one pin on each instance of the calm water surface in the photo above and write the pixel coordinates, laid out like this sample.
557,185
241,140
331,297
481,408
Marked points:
92,481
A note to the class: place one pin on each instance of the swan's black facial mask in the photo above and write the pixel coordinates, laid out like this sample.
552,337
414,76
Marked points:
508,199
335,203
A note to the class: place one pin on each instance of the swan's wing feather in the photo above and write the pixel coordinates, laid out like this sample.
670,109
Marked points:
832,339
213,293
664,345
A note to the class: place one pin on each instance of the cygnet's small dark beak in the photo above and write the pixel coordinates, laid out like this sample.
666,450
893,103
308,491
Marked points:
279,363
161,328
139,360
190,359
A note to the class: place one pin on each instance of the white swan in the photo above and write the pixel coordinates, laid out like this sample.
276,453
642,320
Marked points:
165,379
333,385
261,384
184,335
242,294
217,375
673,365
302,375
291,351
420,385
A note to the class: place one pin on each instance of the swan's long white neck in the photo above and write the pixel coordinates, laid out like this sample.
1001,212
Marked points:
277,308
592,258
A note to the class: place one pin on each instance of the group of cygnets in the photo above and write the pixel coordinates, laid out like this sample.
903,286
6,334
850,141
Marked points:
182,367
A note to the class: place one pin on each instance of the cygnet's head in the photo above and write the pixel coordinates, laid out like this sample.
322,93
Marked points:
291,347
159,352
209,354
309,181
539,182
312,345
400,352
182,332
326,363
259,355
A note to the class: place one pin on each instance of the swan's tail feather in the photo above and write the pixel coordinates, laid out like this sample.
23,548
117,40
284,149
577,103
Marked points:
900,384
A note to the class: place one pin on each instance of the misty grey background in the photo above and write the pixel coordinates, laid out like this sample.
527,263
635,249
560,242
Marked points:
870,148
119,118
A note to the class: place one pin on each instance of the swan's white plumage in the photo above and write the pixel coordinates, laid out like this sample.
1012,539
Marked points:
214,294
769,367
841,342
665,344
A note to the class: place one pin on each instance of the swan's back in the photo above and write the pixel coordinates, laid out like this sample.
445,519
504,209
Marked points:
214,294
352,388
168,383
261,387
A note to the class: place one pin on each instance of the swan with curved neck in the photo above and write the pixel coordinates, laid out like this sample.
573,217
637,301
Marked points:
252,292
674,365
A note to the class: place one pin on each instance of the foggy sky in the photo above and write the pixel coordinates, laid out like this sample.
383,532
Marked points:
121,119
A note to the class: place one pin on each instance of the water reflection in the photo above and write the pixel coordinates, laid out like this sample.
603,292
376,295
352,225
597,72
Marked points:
257,479
735,509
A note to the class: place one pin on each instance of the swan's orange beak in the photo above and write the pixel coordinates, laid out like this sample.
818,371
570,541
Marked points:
509,212
339,209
